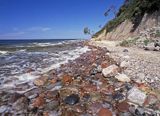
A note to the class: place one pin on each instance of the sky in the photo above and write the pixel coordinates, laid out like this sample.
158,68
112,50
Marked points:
52,19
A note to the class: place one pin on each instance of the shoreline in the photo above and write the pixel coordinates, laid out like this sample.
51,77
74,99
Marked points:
92,84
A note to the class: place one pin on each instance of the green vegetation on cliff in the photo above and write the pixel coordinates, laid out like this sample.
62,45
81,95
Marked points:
132,10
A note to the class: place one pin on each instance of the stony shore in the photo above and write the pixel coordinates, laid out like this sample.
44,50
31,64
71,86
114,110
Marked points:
101,82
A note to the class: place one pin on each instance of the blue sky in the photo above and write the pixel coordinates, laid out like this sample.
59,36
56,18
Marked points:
52,19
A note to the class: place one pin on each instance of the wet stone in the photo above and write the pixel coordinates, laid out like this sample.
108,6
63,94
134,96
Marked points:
3,109
118,96
52,105
66,79
14,97
95,107
21,104
39,82
38,102
72,99
107,104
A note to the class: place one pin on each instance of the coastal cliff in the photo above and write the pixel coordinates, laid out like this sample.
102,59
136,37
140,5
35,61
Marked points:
134,18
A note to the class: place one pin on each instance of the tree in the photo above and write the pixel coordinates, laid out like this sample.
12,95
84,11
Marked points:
111,9
87,31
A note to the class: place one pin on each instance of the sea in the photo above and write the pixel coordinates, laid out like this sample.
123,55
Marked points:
25,60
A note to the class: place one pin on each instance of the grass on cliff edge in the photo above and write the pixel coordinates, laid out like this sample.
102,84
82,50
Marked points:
132,10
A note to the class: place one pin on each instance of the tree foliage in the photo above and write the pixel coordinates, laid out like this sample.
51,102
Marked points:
86,31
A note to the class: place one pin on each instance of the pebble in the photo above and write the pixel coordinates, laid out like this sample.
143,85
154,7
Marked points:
136,96
21,104
123,107
151,100
52,105
118,96
3,109
39,101
72,99
66,79
110,71
104,112
95,107
122,78
79,88
124,64
125,50
39,82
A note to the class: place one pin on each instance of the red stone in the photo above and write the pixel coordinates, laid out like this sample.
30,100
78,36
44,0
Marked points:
104,65
39,101
108,90
123,107
150,100
104,112
90,88
66,79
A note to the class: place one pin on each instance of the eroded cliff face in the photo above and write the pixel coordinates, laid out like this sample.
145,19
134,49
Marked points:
125,29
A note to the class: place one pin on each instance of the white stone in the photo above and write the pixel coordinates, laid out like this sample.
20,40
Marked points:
126,57
122,78
3,109
136,96
110,71
124,64
140,78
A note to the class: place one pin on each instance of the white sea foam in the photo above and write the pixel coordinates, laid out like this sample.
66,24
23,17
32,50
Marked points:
50,60
72,55
3,52
27,77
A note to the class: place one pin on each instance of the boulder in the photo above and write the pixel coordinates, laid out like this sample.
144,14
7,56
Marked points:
122,78
110,71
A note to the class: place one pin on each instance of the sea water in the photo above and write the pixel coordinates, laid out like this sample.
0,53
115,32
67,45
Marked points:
17,57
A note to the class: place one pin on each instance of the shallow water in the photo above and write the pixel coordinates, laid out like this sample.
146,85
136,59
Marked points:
25,62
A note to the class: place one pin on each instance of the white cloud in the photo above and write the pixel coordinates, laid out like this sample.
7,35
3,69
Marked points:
44,29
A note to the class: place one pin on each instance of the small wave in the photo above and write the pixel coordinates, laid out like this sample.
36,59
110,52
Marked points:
41,62
23,50
3,52
72,55
27,77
